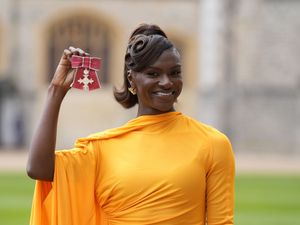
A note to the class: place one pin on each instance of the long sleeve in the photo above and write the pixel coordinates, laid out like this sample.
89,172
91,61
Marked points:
220,182
70,198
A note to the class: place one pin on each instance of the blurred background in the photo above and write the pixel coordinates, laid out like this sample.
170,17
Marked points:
241,74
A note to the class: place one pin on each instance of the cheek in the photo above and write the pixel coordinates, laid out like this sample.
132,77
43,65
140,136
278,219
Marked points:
143,89
179,85
144,85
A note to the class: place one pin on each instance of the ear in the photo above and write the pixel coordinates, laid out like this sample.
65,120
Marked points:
130,78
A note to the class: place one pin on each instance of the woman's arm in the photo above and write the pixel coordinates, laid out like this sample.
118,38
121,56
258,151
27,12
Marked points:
220,182
40,163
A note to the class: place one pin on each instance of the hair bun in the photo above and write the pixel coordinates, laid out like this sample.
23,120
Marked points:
138,45
143,50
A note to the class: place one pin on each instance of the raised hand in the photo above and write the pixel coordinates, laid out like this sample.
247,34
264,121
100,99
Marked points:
64,74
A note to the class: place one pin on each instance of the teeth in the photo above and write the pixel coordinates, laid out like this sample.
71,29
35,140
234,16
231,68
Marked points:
164,93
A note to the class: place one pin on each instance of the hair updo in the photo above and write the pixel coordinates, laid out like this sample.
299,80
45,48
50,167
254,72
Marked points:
146,44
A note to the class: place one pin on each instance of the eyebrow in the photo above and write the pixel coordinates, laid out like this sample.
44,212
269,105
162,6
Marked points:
153,67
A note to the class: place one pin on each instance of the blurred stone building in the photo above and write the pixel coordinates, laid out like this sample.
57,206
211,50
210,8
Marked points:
240,65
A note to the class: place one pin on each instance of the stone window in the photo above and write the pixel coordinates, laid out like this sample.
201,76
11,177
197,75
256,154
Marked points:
79,31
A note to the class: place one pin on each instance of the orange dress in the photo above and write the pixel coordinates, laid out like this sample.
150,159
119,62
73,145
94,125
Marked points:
165,169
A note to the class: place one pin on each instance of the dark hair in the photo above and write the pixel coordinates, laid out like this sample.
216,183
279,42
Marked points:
146,43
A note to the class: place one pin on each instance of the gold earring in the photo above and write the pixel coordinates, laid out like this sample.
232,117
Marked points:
132,90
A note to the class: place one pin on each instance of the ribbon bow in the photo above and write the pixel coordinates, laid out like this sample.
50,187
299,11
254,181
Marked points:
86,72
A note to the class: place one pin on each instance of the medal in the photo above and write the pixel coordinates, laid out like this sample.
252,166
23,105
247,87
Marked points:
86,72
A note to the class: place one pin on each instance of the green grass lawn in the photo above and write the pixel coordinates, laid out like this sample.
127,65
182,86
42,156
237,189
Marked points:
16,191
267,200
260,199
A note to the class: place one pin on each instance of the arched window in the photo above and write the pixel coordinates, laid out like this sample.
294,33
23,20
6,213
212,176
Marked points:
79,31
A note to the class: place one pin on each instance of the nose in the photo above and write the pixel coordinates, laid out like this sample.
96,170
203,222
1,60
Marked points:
165,81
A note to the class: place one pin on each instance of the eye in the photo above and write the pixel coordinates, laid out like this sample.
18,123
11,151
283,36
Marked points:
176,73
152,74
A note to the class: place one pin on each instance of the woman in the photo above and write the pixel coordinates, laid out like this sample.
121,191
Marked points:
160,168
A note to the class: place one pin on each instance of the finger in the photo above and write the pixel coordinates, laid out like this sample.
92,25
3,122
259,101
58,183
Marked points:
62,74
65,58
74,51
67,53
69,78
80,51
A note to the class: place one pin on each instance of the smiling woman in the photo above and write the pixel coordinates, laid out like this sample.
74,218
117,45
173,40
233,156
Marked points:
161,167
153,71
145,45
159,85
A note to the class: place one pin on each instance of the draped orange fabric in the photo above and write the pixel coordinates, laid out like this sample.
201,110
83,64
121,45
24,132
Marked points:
165,169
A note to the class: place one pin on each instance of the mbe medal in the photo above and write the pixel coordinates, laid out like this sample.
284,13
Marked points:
86,72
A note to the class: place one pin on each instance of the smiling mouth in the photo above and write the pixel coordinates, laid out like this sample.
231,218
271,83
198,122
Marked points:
164,93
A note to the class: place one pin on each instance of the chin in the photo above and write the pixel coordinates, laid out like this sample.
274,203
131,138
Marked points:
165,109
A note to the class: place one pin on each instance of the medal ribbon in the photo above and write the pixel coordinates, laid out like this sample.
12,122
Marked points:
86,72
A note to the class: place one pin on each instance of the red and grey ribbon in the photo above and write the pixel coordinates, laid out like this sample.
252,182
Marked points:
86,72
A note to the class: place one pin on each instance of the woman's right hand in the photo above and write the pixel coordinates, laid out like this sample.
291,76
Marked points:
64,74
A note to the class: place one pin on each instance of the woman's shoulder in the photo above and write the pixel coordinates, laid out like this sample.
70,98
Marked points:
220,145
208,130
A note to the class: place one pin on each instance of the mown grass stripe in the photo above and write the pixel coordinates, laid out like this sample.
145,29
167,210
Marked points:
260,199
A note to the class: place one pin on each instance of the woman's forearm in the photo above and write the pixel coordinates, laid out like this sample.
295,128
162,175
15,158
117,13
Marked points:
41,153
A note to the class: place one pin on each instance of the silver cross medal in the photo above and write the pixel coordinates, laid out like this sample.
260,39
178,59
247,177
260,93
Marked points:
85,81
